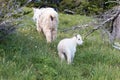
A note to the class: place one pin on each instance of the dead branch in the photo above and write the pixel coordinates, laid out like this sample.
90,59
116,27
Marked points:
11,14
79,27
75,27
67,11
117,1
104,22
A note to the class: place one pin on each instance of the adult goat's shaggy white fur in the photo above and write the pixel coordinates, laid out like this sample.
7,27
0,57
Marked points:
37,13
67,48
47,22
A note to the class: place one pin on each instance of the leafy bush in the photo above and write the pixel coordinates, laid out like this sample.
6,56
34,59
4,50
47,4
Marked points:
10,16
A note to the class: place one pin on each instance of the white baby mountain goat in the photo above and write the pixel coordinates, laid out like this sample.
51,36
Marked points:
47,22
67,48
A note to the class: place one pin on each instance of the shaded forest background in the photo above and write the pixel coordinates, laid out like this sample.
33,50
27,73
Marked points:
83,7
86,7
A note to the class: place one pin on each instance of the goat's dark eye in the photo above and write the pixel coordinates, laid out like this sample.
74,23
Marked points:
78,39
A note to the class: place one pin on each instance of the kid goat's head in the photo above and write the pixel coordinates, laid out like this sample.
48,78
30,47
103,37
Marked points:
79,40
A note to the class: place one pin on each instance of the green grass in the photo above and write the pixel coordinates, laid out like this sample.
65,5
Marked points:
25,55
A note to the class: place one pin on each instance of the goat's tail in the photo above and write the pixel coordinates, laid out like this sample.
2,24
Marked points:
51,17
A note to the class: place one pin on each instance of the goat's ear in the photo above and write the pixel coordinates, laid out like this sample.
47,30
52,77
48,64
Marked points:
75,35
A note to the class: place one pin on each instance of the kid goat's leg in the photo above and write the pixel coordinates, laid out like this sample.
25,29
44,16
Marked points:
69,60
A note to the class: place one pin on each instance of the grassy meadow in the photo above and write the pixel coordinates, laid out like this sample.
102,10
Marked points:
25,55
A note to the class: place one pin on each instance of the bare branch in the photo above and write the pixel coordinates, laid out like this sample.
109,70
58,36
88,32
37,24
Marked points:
75,27
10,15
117,1
104,22
81,26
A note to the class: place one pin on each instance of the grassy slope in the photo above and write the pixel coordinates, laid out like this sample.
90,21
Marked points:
25,55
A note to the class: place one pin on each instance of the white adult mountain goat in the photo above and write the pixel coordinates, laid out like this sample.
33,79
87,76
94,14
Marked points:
47,22
67,48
